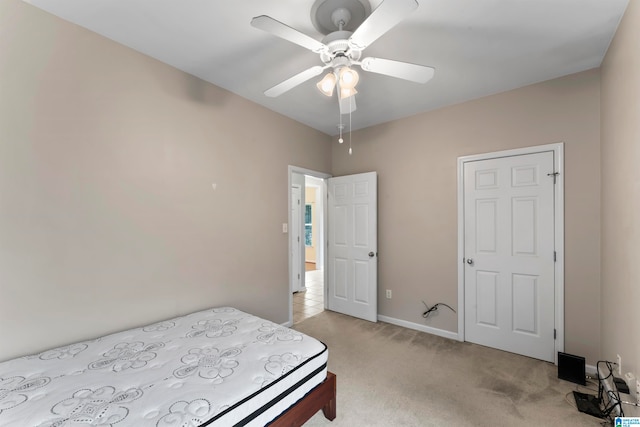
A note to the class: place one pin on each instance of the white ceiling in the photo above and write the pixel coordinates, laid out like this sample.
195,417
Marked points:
478,47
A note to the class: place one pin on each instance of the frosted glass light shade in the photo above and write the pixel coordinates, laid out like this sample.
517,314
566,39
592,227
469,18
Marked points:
327,84
346,92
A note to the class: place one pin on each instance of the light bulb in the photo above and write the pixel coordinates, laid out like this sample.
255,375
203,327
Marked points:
350,151
340,140
348,78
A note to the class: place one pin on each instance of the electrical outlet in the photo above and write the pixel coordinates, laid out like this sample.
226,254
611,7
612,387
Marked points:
619,363
388,293
629,379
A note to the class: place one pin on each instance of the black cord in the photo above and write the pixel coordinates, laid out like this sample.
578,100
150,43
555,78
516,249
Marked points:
434,308
614,397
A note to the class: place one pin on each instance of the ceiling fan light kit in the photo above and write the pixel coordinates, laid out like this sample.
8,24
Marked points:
346,81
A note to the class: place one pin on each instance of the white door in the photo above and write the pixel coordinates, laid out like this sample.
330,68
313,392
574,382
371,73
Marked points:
296,238
353,246
509,254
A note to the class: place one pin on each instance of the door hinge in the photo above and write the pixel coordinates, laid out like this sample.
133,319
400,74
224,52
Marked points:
298,276
555,334
298,239
555,256
554,175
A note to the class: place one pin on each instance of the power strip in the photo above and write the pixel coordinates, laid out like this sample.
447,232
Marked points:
607,390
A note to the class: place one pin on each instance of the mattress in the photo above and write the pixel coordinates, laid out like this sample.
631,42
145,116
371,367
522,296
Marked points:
218,367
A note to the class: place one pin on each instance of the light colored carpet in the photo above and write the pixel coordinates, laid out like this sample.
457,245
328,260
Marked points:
393,376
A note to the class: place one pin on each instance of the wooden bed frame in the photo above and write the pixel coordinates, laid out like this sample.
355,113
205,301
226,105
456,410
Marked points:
322,397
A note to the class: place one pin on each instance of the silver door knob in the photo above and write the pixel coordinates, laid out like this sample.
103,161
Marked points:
469,261
371,254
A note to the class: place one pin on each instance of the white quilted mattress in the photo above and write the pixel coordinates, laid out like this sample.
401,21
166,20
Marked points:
218,367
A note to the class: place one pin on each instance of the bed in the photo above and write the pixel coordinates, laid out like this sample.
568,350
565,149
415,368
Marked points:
217,367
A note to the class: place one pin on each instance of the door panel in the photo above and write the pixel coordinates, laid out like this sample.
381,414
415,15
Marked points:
340,223
487,215
525,303
509,248
361,282
524,213
339,275
352,211
486,298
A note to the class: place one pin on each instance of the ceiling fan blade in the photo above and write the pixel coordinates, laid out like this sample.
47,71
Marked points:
381,20
347,105
277,28
294,81
402,70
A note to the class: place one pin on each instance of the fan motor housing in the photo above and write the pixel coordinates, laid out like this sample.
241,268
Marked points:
338,45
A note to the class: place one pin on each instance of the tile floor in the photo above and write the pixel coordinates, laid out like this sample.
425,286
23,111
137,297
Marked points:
310,302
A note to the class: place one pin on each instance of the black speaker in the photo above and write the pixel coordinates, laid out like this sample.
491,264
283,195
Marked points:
572,368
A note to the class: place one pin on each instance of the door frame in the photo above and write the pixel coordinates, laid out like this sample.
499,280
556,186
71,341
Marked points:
297,284
558,150
323,176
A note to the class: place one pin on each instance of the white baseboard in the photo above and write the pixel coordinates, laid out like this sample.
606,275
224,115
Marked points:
419,327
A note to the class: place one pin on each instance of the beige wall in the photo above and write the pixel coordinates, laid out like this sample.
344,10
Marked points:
108,218
416,163
621,194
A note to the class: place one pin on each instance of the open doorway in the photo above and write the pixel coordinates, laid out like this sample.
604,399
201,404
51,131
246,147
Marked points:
307,243
313,223
310,301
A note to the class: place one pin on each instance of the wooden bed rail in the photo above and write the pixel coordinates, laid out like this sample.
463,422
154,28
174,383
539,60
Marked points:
322,397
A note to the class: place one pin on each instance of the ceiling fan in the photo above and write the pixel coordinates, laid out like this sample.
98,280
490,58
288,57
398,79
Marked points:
349,27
